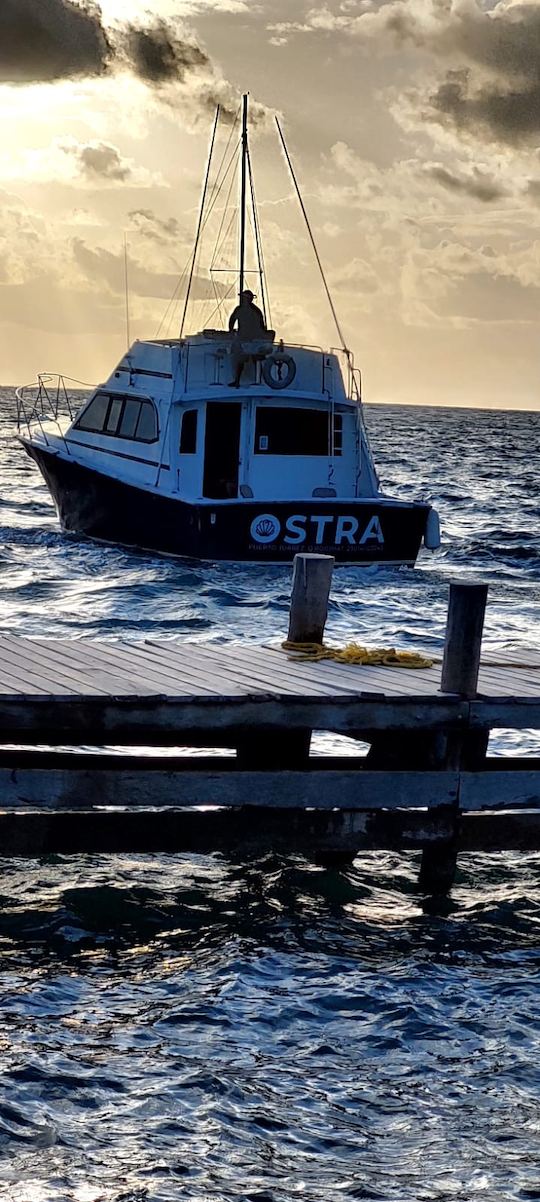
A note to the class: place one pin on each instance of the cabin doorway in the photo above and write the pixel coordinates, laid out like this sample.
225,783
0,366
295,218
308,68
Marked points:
222,450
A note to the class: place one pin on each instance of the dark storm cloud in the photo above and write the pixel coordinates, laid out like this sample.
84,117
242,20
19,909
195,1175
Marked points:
158,55
507,114
43,40
479,185
47,40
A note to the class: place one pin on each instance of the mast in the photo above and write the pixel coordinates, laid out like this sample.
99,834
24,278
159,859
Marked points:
243,184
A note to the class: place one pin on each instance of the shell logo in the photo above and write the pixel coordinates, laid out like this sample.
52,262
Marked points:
265,528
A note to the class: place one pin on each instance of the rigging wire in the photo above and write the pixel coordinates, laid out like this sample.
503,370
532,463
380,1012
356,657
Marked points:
200,219
222,223
170,312
223,299
228,240
174,300
312,240
259,246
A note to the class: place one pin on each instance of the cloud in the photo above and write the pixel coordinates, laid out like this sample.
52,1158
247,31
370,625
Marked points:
506,114
77,164
493,85
100,160
158,55
104,266
156,229
478,184
43,41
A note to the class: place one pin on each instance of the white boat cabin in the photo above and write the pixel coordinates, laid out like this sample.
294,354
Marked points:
170,420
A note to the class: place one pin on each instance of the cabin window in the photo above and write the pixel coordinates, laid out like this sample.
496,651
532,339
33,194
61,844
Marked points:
290,431
95,415
114,415
146,426
120,417
130,417
188,436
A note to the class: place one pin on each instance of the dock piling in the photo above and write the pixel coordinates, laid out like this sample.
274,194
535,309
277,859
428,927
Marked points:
312,580
461,665
463,642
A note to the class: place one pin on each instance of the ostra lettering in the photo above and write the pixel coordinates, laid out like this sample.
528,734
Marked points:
320,529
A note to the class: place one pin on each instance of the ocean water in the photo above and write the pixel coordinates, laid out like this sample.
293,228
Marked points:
213,1028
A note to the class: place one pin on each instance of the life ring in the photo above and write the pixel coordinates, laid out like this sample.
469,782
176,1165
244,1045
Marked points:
283,379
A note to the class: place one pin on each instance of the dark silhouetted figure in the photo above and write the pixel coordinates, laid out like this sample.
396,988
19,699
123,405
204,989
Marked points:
250,327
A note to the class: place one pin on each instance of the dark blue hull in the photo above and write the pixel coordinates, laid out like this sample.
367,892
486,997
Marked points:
357,531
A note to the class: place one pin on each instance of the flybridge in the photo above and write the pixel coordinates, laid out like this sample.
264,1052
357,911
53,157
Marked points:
203,361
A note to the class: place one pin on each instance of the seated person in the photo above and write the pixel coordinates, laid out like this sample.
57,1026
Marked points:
250,324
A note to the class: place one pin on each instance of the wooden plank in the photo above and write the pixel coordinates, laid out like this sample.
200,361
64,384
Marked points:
138,674
81,788
500,832
53,667
32,834
226,672
189,672
496,790
16,668
74,832
101,668
194,721
355,678
516,713
255,677
499,682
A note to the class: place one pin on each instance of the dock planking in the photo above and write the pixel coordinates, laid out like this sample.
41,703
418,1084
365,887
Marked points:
426,783
88,670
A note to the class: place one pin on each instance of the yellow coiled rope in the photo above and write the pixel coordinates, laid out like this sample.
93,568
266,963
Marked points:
354,653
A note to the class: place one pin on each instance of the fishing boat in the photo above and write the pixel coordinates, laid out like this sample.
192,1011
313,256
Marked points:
225,443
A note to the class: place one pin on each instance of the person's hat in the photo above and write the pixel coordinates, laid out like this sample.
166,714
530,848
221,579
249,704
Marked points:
247,292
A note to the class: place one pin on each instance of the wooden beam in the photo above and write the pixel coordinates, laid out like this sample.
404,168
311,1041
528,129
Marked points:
492,790
80,788
500,832
37,833
216,722
238,831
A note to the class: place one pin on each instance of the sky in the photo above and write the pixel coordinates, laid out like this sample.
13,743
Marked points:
414,128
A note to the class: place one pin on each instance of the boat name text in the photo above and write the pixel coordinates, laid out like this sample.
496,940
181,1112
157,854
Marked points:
266,528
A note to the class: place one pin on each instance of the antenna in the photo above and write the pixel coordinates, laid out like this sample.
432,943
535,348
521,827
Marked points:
313,243
126,285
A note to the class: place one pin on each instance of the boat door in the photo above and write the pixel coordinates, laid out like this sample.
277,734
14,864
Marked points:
222,449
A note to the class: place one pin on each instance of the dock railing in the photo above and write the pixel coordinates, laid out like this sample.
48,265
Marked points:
427,782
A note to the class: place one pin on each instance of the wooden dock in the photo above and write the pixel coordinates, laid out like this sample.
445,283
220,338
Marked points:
425,783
